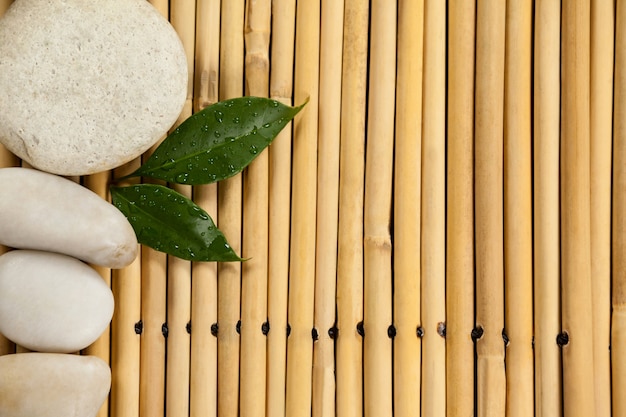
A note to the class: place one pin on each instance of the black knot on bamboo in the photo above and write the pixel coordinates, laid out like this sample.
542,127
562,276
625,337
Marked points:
214,329
562,339
265,327
165,330
139,327
477,333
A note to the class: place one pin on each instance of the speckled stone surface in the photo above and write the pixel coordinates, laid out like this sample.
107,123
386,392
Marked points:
52,385
51,302
85,85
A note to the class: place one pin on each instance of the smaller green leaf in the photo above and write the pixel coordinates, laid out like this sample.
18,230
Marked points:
218,141
169,222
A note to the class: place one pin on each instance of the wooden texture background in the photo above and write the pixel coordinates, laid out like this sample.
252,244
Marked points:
440,232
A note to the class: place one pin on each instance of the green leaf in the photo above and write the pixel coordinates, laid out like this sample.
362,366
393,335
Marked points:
169,222
218,142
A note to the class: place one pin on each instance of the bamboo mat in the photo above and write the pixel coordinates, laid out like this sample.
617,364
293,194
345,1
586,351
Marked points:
438,232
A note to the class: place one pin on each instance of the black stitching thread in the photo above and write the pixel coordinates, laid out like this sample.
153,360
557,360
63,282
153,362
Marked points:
188,327
562,339
265,327
391,331
314,334
238,327
477,333
165,330
139,327
214,329
441,329
419,331
333,332
360,329
505,338
288,329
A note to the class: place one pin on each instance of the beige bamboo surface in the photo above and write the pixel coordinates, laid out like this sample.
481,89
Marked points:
489,216
406,209
618,302
601,111
377,307
323,390
518,263
438,232
548,395
460,363
303,211
433,245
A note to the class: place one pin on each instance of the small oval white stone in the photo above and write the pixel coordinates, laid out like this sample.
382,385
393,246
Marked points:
87,85
47,212
51,302
52,384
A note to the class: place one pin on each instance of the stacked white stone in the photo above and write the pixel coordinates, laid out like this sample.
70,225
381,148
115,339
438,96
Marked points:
85,86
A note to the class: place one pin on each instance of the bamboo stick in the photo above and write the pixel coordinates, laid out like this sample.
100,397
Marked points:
206,70
407,198
433,246
229,220
490,40
578,398
182,18
618,325
178,340
203,373
602,43
349,351
460,210
281,87
304,187
163,6
323,395
4,5
125,343
518,209
153,311
548,397
255,223
377,312
99,184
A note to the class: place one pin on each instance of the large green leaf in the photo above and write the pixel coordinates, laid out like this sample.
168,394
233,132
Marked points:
218,142
169,222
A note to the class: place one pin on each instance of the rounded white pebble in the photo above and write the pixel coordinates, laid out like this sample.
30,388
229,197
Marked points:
52,384
47,212
51,302
85,85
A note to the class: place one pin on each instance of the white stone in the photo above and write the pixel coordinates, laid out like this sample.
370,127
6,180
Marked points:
52,385
47,212
87,85
51,302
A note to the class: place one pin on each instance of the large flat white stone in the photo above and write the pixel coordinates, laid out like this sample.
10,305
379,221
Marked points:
51,302
87,85
52,385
